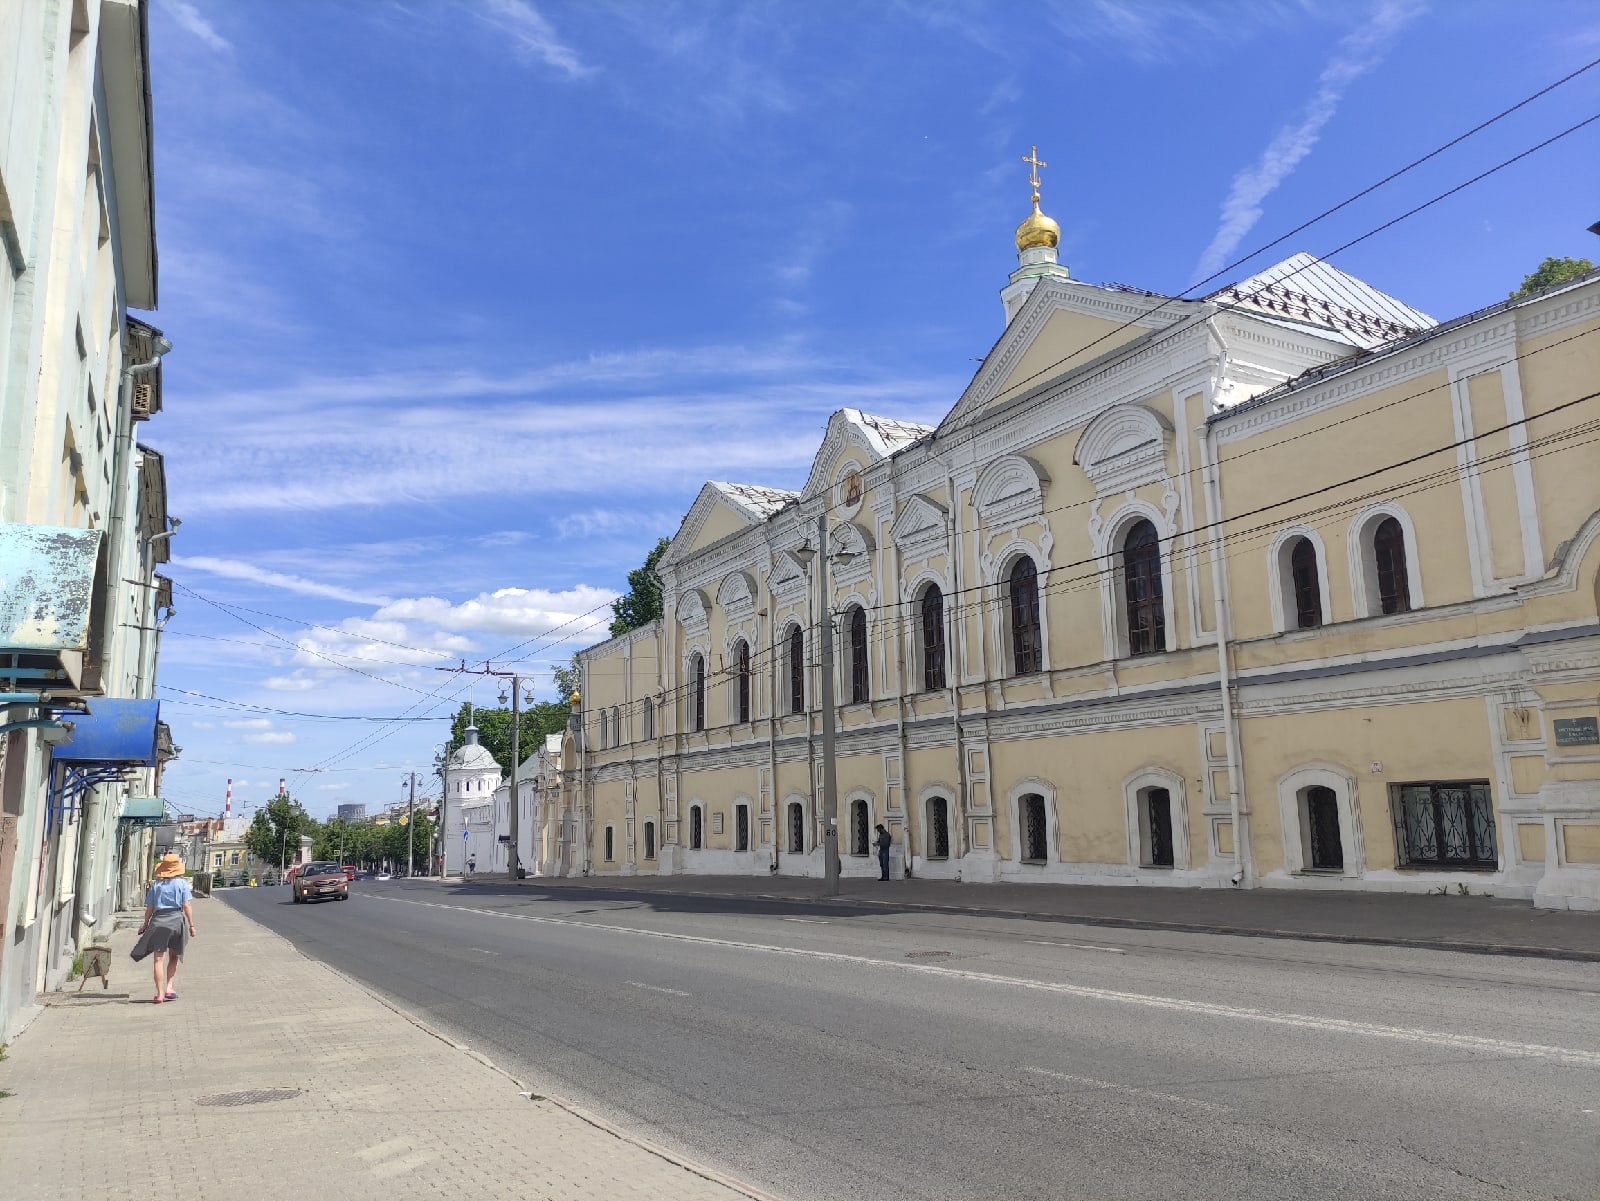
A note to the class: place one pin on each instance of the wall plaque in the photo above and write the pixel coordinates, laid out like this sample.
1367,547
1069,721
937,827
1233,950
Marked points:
1577,731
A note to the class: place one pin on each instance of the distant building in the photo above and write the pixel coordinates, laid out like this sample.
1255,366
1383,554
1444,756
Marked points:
352,813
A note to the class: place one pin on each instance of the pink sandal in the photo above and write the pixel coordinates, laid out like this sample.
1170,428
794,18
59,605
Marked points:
172,996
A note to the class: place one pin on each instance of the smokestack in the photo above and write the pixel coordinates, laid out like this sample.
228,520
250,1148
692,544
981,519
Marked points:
281,788
227,809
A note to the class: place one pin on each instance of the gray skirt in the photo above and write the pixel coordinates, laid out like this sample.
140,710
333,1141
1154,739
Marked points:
167,931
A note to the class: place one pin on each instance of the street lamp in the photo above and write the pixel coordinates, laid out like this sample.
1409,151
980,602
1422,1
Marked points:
830,768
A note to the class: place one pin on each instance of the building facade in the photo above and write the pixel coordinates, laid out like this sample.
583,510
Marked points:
1291,586
83,522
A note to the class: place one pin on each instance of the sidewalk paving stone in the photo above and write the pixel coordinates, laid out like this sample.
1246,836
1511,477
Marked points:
1473,924
117,1099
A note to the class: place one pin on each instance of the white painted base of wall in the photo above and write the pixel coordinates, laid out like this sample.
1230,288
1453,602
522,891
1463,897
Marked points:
1499,884
727,863
1569,888
1012,872
935,869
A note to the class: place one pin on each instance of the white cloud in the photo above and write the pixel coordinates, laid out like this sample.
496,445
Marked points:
271,738
333,787
292,683
234,569
532,35
1358,52
189,18
248,723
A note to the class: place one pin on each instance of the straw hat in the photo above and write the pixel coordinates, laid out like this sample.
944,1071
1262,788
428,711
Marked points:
169,867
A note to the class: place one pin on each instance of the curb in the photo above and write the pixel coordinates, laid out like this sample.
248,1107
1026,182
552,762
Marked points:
526,1090
1514,950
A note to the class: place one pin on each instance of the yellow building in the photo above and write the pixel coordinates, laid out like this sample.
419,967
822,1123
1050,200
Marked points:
1291,586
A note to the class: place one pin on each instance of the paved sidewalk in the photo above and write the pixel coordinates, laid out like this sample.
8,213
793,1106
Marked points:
113,1096
1474,924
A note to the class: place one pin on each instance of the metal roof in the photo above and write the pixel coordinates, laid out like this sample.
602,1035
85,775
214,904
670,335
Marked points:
1304,291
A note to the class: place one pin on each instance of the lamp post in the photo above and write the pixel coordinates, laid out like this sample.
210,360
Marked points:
512,852
830,766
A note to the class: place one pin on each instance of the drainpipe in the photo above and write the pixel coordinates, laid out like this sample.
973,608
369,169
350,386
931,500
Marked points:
1243,859
93,805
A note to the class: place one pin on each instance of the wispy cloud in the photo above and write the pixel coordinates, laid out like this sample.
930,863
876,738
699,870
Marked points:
1150,33
1358,52
271,738
234,569
190,18
532,35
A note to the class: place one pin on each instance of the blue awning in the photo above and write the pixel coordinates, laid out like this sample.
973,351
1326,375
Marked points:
115,730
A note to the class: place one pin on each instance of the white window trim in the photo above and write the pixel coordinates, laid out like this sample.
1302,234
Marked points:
914,591
938,792
849,799
1113,590
688,689
1052,845
1133,790
610,842
786,687
733,681
705,829
1296,833
1364,567
651,840
806,843
1280,578
750,842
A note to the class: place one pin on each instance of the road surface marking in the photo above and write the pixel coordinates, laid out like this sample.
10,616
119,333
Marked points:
481,951
1132,1090
1303,1021
1082,946
677,992
815,921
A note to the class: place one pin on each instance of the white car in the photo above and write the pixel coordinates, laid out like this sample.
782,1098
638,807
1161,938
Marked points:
382,876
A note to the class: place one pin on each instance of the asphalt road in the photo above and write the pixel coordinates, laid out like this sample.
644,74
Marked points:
827,1054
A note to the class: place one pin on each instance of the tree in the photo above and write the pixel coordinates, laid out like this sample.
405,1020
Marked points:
274,834
1551,272
397,838
494,728
341,840
568,680
642,604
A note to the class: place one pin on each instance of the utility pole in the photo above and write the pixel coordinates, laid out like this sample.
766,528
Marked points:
830,766
411,827
516,744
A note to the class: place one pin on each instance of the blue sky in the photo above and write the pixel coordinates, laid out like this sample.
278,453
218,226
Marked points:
469,298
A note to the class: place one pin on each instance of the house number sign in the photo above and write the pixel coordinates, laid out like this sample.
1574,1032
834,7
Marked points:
1577,731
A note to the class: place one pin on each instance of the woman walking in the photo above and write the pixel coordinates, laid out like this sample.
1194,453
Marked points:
168,924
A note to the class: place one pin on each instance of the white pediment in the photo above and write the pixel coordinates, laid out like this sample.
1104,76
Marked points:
859,436
737,596
1124,447
919,530
693,611
1011,489
788,578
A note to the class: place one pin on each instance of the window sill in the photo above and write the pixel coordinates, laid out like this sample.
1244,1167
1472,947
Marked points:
1476,868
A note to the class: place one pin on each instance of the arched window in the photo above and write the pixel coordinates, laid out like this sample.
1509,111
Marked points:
797,670
697,828
600,738
741,827
1026,648
1141,577
938,828
1321,827
617,738
860,827
649,840
649,718
859,691
741,670
1155,828
1307,585
1389,563
697,692
1035,841
797,828
932,619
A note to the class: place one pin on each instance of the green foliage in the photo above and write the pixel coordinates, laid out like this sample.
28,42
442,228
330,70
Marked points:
1551,272
396,839
494,729
568,681
348,842
642,604
276,829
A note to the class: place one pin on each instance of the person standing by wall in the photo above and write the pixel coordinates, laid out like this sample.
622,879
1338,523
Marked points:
168,924
883,841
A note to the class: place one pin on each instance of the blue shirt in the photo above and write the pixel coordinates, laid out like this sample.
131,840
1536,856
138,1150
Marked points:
169,894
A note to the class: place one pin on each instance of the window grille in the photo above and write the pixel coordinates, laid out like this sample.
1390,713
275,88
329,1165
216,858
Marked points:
932,639
741,828
1158,821
1447,824
1322,830
938,828
1025,642
859,693
610,844
1389,558
1141,577
1035,839
649,840
860,829
697,697
741,667
797,828
797,670
1307,591
697,833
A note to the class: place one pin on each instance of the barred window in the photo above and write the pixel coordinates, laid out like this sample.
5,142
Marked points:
1026,649
1307,586
649,840
741,669
741,827
938,828
1141,576
1034,834
797,670
797,828
859,691
1449,824
932,618
1389,559
697,693
860,828
697,828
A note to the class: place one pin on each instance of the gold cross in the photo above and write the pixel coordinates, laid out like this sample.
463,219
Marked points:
1035,162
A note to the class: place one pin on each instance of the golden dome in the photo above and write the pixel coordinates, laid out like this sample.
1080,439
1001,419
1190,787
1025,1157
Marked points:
1037,230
